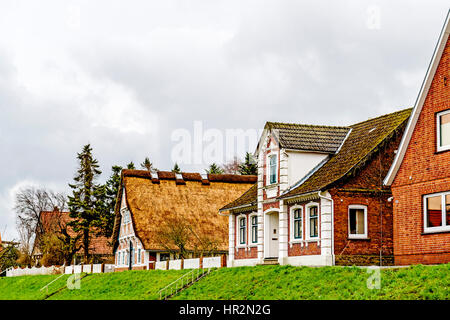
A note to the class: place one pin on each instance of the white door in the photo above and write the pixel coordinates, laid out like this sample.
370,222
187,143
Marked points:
273,235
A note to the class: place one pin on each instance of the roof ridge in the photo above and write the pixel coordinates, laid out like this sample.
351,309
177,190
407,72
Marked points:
306,125
379,117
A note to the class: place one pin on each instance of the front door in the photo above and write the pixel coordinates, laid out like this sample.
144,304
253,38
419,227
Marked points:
273,235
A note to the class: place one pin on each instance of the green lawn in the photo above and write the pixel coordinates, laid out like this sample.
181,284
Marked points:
262,282
286,282
28,287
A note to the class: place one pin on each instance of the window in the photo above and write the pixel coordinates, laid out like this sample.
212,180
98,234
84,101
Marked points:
437,212
357,222
297,224
313,222
254,222
242,230
273,169
123,257
139,259
126,216
118,258
443,130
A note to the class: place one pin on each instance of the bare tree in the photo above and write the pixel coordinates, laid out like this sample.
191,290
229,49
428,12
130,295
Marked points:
232,167
29,203
177,235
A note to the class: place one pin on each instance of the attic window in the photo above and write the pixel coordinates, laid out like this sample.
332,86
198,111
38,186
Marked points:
178,176
443,130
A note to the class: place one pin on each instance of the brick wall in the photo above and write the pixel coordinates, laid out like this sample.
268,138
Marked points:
366,188
423,171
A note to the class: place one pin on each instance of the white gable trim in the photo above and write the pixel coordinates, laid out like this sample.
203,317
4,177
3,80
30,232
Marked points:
419,102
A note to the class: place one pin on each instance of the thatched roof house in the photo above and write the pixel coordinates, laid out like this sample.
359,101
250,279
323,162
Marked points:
152,208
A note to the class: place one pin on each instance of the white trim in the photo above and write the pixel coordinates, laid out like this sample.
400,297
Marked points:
277,164
357,236
307,222
238,231
439,49
291,224
438,131
444,227
250,229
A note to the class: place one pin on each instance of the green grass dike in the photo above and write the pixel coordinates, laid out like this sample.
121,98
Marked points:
244,283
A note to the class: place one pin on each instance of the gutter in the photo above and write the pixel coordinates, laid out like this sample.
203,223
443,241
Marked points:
332,224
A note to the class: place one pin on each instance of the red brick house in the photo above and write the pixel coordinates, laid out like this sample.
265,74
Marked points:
319,199
420,174
149,205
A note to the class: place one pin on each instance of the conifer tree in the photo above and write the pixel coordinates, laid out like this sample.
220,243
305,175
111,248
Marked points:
147,165
131,166
249,167
214,169
87,201
176,168
105,223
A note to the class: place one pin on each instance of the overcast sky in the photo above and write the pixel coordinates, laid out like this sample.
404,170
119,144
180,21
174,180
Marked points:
123,75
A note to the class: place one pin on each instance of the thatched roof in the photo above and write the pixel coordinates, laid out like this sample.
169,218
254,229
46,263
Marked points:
53,221
196,198
307,137
364,140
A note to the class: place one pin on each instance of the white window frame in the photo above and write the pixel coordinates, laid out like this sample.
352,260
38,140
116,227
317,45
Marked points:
366,233
438,131
250,238
292,239
238,231
444,226
308,222
269,155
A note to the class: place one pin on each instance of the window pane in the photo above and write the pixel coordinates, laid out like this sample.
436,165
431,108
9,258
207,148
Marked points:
447,209
434,211
445,129
273,169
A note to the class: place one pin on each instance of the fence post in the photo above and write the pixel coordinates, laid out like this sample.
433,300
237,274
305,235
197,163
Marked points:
167,264
102,268
201,263
182,263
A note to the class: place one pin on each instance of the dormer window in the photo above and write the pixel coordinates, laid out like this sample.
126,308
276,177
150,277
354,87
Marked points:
443,130
273,169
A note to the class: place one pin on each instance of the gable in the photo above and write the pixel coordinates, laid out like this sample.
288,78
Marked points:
420,136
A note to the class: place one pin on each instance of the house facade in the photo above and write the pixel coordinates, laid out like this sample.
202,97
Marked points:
420,174
319,199
158,213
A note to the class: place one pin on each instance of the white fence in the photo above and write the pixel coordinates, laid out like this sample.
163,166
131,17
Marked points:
87,268
198,263
33,271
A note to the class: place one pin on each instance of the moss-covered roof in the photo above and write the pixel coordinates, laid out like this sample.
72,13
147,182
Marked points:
363,141
247,199
326,139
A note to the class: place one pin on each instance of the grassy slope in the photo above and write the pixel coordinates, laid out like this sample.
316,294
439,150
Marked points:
285,282
129,285
28,287
263,282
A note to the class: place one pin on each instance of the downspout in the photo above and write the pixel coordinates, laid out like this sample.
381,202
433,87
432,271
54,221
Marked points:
332,223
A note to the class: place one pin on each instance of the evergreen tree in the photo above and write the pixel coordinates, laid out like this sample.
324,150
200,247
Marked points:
87,203
131,166
214,169
176,168
105,223
249,167
147,165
